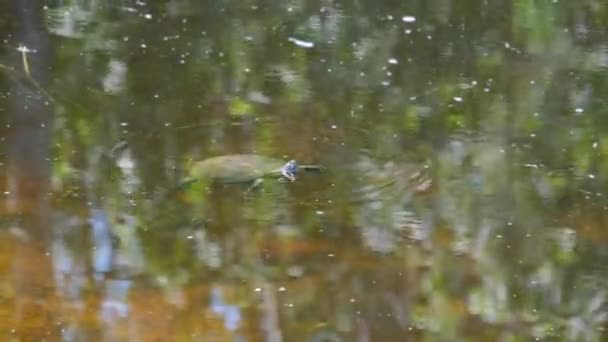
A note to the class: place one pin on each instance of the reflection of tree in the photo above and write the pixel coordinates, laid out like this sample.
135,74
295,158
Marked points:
30,119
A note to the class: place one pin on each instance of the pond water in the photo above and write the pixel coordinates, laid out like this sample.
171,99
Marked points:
464,154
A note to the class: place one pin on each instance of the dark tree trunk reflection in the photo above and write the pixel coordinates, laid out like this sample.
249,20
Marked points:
29,119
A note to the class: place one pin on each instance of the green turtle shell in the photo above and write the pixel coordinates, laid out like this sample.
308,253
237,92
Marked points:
236,168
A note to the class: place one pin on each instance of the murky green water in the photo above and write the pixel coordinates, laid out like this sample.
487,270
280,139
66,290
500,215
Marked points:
464,149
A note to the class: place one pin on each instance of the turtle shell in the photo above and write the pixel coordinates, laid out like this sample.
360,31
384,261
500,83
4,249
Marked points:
236,168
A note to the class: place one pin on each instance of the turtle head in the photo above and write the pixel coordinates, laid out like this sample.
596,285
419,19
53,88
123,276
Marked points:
290,169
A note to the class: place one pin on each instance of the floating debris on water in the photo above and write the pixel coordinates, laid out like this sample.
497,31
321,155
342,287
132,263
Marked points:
301,43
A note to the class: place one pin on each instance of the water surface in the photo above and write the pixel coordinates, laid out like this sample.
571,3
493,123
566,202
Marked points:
463,194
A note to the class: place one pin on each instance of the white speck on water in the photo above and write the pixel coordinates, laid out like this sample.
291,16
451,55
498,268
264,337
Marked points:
7,192
429,37
591,176
320,212
282,289
499,236
457,98
532,135
301,43
579,110
407,31
532,82
487,90
393,61
595,144
386,83
257,289
408,19
156,96
148,16
143,46
352,300
25,49
334,126
507,45
124,124
190,237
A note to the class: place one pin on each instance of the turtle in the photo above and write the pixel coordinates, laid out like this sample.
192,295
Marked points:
246,168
